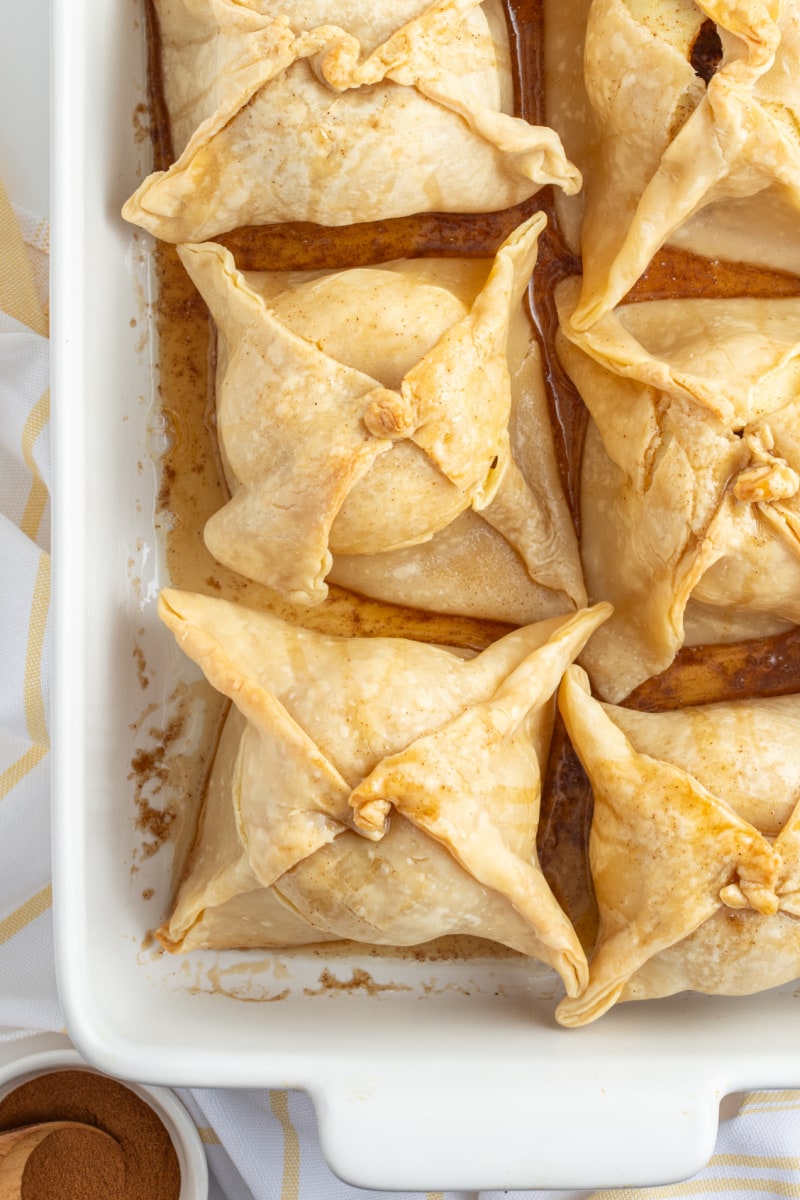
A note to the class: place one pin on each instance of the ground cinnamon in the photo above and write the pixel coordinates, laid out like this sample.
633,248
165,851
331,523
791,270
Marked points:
74,1165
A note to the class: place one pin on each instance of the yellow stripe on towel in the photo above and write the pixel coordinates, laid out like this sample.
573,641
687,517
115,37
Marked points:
35,715
37,497
290,1184
26,913
782,1101
208,1136
747,1185
766,1162
18,295
22,767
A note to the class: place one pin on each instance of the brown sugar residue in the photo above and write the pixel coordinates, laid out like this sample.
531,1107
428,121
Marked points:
260,998
240,981
168,476
150,771
169,773
452,947
360,980
141,123
141,667
433,988
148,941
136,725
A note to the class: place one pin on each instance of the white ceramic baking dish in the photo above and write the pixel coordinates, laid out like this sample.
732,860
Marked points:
425,1075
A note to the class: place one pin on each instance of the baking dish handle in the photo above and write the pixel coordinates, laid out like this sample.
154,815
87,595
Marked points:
477,1133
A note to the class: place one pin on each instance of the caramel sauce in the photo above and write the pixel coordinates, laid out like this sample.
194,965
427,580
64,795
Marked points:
193,487
677,273
564,824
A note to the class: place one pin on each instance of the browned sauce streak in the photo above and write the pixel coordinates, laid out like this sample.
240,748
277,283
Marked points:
708,674
301,246
160,132
564,824
677,273
567,410
192,485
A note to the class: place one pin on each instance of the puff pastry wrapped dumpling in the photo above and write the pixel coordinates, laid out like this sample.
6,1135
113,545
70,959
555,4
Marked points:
690,477
396,417
434,755
338,113
711,166
694,849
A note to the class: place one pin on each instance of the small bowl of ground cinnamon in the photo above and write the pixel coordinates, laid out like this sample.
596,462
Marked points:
154,1151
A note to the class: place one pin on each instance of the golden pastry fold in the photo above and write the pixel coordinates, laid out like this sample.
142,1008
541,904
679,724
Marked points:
279,113
437,755
694,849
690,476
713,167
361,413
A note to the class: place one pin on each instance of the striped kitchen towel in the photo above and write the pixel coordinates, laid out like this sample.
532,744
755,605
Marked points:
27,990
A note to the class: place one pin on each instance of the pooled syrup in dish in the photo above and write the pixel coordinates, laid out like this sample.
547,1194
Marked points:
193,486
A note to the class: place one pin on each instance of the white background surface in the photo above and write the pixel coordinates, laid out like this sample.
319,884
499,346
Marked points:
25,103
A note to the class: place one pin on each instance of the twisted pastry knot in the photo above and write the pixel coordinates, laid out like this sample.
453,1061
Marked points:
766,886
755,24
410,52
770,477
390,414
